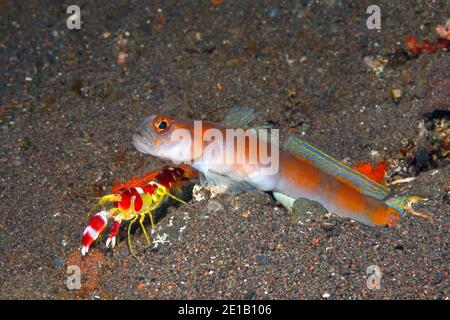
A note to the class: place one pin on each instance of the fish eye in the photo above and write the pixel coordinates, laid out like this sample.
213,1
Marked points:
161,123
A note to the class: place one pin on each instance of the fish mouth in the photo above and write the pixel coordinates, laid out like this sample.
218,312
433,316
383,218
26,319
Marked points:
142,139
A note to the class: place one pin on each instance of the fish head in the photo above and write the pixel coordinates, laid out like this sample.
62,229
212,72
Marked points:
165,137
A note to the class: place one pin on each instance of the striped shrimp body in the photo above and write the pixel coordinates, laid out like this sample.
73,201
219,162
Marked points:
133,200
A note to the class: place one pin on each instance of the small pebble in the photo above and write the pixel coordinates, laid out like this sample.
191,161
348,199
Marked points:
122,57
250,295
263,260
58,263
396,94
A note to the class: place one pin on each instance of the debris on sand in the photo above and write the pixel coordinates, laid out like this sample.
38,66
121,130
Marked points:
405,180
304,209
376,64
122,42
122,57
396,94
416,47
159,22
92,268
443,32
431,149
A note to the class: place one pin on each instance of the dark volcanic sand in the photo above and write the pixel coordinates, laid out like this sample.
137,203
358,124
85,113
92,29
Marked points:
67,112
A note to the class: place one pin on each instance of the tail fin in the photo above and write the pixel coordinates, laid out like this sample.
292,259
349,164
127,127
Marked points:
403,204
347,175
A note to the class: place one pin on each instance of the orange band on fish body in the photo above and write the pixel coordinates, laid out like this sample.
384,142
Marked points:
298,178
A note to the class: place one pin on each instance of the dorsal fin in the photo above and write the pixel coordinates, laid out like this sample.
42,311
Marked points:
239,117
336,168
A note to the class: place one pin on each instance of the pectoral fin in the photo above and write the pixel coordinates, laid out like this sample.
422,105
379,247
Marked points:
239,117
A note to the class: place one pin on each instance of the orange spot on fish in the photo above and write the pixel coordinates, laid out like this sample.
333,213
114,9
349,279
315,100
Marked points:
376,173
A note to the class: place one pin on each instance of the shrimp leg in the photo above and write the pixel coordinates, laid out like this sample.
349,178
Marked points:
141,222
129,238
113,232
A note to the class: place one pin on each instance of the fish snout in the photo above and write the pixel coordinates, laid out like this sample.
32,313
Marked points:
143,138
142,143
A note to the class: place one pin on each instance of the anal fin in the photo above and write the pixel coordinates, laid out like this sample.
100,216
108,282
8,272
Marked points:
229,185
286,201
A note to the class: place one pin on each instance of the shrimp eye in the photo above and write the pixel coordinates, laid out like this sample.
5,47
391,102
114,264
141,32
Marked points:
161,123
